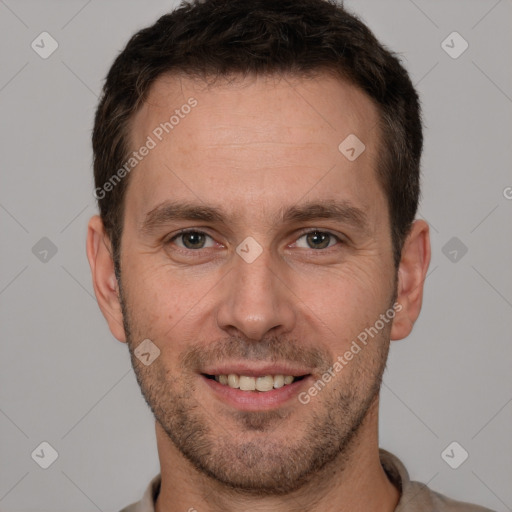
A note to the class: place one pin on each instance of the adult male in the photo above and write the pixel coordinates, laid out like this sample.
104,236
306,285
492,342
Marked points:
257,171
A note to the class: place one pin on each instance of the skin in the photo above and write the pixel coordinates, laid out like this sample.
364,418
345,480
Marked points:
253,147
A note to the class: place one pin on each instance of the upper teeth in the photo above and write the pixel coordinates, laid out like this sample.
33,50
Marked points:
245,383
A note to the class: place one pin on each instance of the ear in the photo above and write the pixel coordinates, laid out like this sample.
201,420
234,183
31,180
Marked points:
412,272
99,254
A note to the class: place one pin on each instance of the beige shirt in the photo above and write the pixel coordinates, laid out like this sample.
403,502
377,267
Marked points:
415,497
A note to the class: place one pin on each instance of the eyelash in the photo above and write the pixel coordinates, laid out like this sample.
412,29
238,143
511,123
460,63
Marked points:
192,230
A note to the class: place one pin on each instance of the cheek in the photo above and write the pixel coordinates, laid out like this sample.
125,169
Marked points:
167,306
349,298
152,300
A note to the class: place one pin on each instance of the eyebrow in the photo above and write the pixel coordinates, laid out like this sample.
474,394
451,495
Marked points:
341,211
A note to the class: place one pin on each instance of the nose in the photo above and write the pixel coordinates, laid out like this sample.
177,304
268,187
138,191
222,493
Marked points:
256,299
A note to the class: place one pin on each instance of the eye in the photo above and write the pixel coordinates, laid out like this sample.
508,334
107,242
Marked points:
317,239
191,239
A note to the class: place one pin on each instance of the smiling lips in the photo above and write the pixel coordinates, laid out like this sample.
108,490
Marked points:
249,387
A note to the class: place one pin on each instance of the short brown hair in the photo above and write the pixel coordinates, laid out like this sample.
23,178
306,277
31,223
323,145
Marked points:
262,37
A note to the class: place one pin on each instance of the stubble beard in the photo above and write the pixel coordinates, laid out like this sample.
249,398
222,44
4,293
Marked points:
260,464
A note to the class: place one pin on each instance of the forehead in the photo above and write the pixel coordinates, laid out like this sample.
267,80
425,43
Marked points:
260,108
254,140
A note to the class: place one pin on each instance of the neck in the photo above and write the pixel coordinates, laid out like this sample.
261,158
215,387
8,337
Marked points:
357,484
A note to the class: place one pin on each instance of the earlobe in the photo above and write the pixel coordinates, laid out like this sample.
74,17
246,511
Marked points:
104,279
411,276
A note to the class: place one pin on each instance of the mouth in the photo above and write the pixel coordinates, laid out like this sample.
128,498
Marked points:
262,384
250,389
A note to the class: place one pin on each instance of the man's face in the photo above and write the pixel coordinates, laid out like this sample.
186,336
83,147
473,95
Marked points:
258,151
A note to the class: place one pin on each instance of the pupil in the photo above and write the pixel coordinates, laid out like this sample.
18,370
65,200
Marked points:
195,239
316,237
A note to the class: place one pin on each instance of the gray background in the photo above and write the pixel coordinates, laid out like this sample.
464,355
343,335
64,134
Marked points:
65,380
